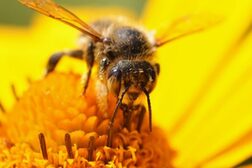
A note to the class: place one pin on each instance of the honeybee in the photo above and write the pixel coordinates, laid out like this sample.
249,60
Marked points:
124,55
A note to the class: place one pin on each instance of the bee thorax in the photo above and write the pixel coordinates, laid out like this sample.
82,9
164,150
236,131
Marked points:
128,42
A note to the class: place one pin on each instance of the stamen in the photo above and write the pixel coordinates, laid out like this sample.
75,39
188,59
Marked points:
91,148
2,108
43,145
14,92
68,143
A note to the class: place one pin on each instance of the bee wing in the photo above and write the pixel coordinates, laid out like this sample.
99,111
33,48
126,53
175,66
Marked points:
55,11
187,25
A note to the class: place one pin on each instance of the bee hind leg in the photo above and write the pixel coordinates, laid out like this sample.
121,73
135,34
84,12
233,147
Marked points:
55,58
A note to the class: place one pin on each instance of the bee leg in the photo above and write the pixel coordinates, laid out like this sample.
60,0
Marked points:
141,117
55,58
112,120
90,62
111,123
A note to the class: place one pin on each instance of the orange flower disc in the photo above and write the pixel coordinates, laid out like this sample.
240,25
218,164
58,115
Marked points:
75,130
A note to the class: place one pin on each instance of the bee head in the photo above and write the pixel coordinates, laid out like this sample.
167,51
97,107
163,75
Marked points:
135,76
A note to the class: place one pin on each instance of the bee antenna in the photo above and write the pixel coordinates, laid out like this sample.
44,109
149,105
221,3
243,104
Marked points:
149,107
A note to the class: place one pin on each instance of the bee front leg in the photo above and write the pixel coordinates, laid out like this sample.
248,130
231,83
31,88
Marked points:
111,123
55,58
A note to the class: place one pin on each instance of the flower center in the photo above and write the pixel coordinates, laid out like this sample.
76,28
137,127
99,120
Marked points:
53,124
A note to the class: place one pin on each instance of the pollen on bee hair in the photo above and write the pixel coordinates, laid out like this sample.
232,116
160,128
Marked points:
42,143
68,143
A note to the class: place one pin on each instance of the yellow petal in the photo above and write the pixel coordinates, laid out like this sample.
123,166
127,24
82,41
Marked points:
207,90
223,117
231,155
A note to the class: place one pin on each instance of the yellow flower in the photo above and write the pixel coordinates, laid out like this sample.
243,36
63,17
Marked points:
202,99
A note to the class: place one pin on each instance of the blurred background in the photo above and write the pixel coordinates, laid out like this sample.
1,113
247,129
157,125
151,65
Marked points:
13,13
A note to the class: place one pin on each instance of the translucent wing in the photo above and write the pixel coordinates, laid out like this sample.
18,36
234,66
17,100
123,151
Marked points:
55,11
187,25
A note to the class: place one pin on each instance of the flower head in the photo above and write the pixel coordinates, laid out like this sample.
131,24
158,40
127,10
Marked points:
53,121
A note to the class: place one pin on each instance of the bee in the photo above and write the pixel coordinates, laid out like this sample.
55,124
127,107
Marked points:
124,55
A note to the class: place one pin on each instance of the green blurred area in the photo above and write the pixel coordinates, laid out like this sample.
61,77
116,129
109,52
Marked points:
13,13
